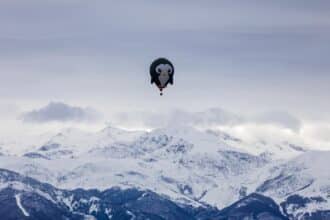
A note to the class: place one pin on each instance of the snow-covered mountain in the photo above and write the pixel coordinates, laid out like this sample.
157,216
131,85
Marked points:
186,165
25,198
277,150
305,179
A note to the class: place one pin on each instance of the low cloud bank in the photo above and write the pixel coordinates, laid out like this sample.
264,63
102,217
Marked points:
60,112
209,118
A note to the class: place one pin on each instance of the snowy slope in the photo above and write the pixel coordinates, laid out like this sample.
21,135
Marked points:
276,150
26,198
182,163
187,165
307,177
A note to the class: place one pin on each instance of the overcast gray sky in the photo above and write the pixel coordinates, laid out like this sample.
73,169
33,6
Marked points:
248,57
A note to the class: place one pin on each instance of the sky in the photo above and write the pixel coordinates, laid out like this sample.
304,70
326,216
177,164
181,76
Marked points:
244,66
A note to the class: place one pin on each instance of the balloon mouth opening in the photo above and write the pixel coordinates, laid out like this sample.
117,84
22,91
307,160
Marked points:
161,90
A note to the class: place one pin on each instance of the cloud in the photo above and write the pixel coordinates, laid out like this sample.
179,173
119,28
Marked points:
318,131
8,109
241,63
212,117
282,119
60,112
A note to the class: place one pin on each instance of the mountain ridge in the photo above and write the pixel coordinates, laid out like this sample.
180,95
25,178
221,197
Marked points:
189,166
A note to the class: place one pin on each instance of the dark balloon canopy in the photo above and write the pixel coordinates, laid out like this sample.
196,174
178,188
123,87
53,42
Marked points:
161,73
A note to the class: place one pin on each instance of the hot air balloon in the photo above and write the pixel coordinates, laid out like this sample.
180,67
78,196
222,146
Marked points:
161,73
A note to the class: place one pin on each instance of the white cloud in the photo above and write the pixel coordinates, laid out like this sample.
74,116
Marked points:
212,117
272,127
282,119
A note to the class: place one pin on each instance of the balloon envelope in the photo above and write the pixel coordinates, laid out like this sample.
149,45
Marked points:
161,73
